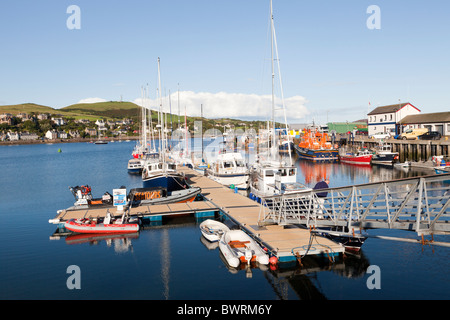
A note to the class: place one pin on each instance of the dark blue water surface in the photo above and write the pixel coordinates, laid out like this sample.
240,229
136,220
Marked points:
170,261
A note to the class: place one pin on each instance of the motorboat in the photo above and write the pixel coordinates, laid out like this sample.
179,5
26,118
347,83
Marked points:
136,197
270,178
108,225
351,240
136,164
360,157
230,170
384,155
238,247
213,230
442,170
160,195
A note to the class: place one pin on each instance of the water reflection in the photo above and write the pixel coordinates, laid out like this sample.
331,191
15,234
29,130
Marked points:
120,242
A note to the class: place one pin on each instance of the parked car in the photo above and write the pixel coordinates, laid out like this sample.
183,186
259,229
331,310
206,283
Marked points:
380,135
412,134
432,135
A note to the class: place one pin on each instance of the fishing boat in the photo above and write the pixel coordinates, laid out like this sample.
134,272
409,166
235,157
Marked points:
229,169
108,225
384,155
213,230
314,146
360,157
237,247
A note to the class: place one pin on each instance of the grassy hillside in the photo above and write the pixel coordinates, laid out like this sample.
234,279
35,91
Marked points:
110,109
116,110
25,108
90,111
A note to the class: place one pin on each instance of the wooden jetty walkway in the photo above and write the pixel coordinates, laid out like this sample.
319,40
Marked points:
286,243
283,242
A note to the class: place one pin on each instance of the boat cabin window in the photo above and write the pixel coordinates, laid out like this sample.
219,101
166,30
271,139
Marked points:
240,163
292,172
159,165
172,166
268,173
227,164
282,172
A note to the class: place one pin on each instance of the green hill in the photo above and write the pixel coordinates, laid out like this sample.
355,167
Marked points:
90,111
110,109
26,108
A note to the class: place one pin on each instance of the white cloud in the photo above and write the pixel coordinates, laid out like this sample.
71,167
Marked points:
91,100
230,105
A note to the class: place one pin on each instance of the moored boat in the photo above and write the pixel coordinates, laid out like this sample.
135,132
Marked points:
136,197
108,225
442,170
360,157
384,155
213,230
134,166
314,146
229,169
352,241
236,246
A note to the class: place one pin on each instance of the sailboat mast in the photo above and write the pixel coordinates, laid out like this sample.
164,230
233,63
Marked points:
162,141
273,78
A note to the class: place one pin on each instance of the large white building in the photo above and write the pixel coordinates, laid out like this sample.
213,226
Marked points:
387,119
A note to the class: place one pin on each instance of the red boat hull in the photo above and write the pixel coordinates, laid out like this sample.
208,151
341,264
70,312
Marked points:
357,159
74,226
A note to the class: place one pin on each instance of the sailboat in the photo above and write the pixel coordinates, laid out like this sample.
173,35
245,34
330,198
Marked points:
162,172
178,154
271,176
141,151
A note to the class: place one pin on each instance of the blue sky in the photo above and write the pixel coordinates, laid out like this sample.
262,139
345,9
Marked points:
218,52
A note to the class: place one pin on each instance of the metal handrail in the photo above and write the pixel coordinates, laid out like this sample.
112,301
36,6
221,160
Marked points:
420,204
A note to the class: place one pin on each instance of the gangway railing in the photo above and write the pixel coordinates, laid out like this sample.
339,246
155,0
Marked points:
420,204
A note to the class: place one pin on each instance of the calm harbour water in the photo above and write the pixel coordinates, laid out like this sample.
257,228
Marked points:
171,261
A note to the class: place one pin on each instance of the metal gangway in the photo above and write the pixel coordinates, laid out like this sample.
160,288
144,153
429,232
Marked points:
420,204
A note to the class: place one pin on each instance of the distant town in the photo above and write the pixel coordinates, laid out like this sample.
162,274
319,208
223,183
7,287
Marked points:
382,122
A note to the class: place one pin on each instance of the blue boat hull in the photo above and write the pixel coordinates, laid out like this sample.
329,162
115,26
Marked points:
310,154
171,183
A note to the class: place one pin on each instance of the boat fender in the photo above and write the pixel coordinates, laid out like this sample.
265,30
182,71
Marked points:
273,260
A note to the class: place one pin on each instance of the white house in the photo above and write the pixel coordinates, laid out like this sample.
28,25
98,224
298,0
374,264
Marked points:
59,121
62,135
13,136
387,118
51,135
